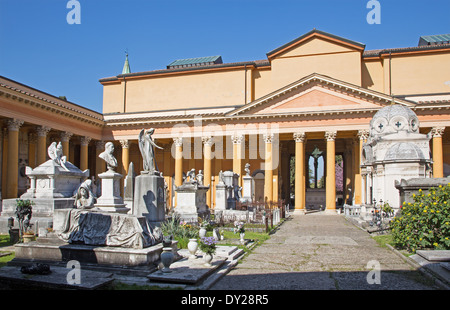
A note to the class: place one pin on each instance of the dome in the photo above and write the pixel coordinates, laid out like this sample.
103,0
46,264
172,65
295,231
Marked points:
393,119
404,151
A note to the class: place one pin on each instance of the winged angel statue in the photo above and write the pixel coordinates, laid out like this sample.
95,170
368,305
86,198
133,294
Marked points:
55,152
146,146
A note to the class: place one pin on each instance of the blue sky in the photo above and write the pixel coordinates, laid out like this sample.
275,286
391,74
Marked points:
39,48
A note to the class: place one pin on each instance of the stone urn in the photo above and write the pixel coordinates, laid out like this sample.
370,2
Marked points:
192,247
207,258
167,259
202,232
242,236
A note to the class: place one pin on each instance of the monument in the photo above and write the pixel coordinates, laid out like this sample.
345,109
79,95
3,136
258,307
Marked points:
191,198
149,185
221,193
52,187
248,188
110,199
394,150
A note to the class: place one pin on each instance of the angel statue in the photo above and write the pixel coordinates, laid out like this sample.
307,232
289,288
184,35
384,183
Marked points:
146,145
55,152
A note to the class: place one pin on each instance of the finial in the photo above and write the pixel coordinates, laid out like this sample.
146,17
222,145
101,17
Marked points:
126,66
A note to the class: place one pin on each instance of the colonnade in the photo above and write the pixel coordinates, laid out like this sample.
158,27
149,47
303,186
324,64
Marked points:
37,149
37,137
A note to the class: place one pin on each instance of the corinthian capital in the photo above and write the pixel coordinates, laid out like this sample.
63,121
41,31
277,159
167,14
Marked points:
437,131
299,136
330,135
178,141
237,138
14,124
207,140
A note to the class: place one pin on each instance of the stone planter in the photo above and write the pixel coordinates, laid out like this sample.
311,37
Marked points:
207,258
192,247
28,238
202,232
167,259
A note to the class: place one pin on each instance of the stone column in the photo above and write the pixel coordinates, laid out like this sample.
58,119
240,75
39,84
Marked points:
42,132
207,156
299,138
125,156
32,140
4,160
13,158
178,163
65,138
330,179
84,153
362,137
438,157
237,155
268,179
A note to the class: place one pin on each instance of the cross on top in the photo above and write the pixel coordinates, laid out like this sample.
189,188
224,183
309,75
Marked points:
380,126
398,124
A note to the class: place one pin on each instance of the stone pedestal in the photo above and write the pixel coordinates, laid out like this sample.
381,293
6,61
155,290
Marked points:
248,189
221,196
149,198
110,200
191,201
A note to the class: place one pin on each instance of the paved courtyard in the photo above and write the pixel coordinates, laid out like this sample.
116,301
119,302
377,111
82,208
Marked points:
322,252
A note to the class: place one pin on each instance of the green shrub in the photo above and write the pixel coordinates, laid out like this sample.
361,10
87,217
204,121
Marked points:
180,231
424,223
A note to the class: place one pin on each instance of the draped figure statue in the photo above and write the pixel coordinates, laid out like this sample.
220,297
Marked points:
146,146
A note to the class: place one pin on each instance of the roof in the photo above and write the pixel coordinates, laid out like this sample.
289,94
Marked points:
401,50
319,33
434,39
198,61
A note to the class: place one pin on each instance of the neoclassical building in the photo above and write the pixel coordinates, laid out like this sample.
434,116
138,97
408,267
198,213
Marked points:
299,117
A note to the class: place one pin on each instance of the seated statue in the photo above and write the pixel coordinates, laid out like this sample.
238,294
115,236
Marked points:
84,198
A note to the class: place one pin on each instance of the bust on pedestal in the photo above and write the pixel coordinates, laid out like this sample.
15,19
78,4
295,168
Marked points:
110,200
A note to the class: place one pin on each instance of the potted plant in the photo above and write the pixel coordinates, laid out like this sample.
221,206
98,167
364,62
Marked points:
23,213
239,228
208,246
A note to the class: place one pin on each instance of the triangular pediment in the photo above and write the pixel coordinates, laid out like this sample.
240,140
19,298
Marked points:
315,42
318,94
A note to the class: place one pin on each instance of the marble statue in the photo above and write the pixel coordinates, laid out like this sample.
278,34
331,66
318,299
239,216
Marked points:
146,146
108,157
84,197
55,152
